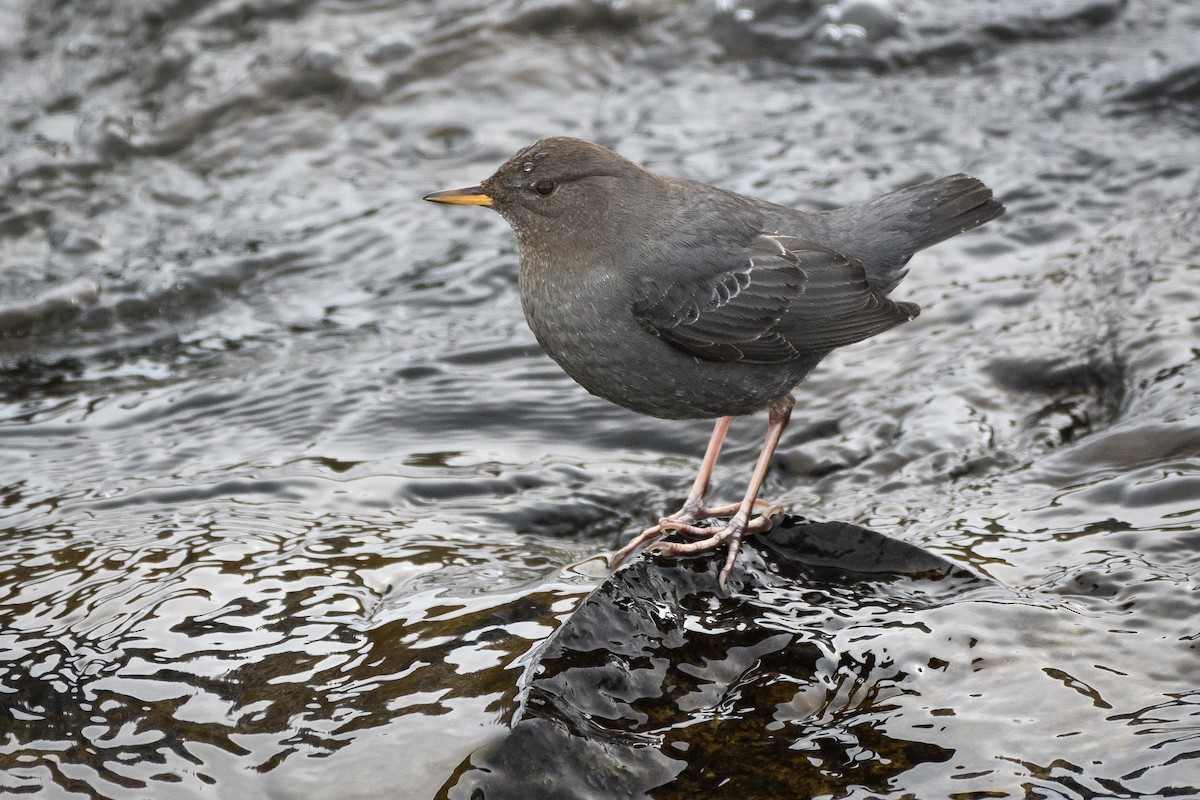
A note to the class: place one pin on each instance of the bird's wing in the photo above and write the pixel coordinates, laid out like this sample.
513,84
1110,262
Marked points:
785,296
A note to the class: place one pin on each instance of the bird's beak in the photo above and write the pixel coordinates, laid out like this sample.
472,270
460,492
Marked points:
471,196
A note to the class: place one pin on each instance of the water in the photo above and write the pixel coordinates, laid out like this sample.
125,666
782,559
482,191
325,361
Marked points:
291,505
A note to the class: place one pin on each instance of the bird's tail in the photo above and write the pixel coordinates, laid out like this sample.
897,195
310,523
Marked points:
891,228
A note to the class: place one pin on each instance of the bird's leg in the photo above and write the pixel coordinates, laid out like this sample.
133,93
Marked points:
693,508
741,524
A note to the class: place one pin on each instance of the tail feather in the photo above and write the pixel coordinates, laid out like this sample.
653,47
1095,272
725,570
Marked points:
887,231
959,203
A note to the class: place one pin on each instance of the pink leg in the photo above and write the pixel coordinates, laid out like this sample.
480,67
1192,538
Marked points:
693,508
695,500
740,524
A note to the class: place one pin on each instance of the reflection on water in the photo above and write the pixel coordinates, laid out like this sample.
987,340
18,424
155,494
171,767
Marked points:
181,647
291,505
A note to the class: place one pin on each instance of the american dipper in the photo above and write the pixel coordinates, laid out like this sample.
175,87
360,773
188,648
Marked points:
680,300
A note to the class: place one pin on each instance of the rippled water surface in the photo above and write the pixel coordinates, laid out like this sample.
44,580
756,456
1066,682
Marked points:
291,505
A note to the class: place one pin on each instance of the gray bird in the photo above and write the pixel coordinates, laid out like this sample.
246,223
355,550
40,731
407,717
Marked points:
680,300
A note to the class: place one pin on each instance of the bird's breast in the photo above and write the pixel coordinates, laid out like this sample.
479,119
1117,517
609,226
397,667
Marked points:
582,318
578,312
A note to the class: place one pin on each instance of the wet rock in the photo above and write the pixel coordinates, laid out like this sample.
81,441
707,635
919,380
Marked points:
658,674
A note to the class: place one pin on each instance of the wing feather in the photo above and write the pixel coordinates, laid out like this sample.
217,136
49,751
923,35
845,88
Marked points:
783,296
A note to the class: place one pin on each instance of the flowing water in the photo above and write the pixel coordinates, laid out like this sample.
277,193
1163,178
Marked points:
292,506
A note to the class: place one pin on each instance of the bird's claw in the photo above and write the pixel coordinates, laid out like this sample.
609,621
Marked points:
709,538
684,521
731,532
664,524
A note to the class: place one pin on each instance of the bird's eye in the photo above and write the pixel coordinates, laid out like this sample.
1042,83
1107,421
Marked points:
544,187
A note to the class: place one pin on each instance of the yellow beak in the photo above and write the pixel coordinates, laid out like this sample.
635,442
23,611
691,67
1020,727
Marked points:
472,196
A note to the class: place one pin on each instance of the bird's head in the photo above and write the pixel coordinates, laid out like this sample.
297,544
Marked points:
561,191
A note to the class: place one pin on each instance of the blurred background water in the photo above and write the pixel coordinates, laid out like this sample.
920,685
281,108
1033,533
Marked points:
291,505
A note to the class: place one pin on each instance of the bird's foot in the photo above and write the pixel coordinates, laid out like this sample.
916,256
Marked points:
653,532
710,537
684,521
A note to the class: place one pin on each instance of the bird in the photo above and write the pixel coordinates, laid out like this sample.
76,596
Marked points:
681,300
